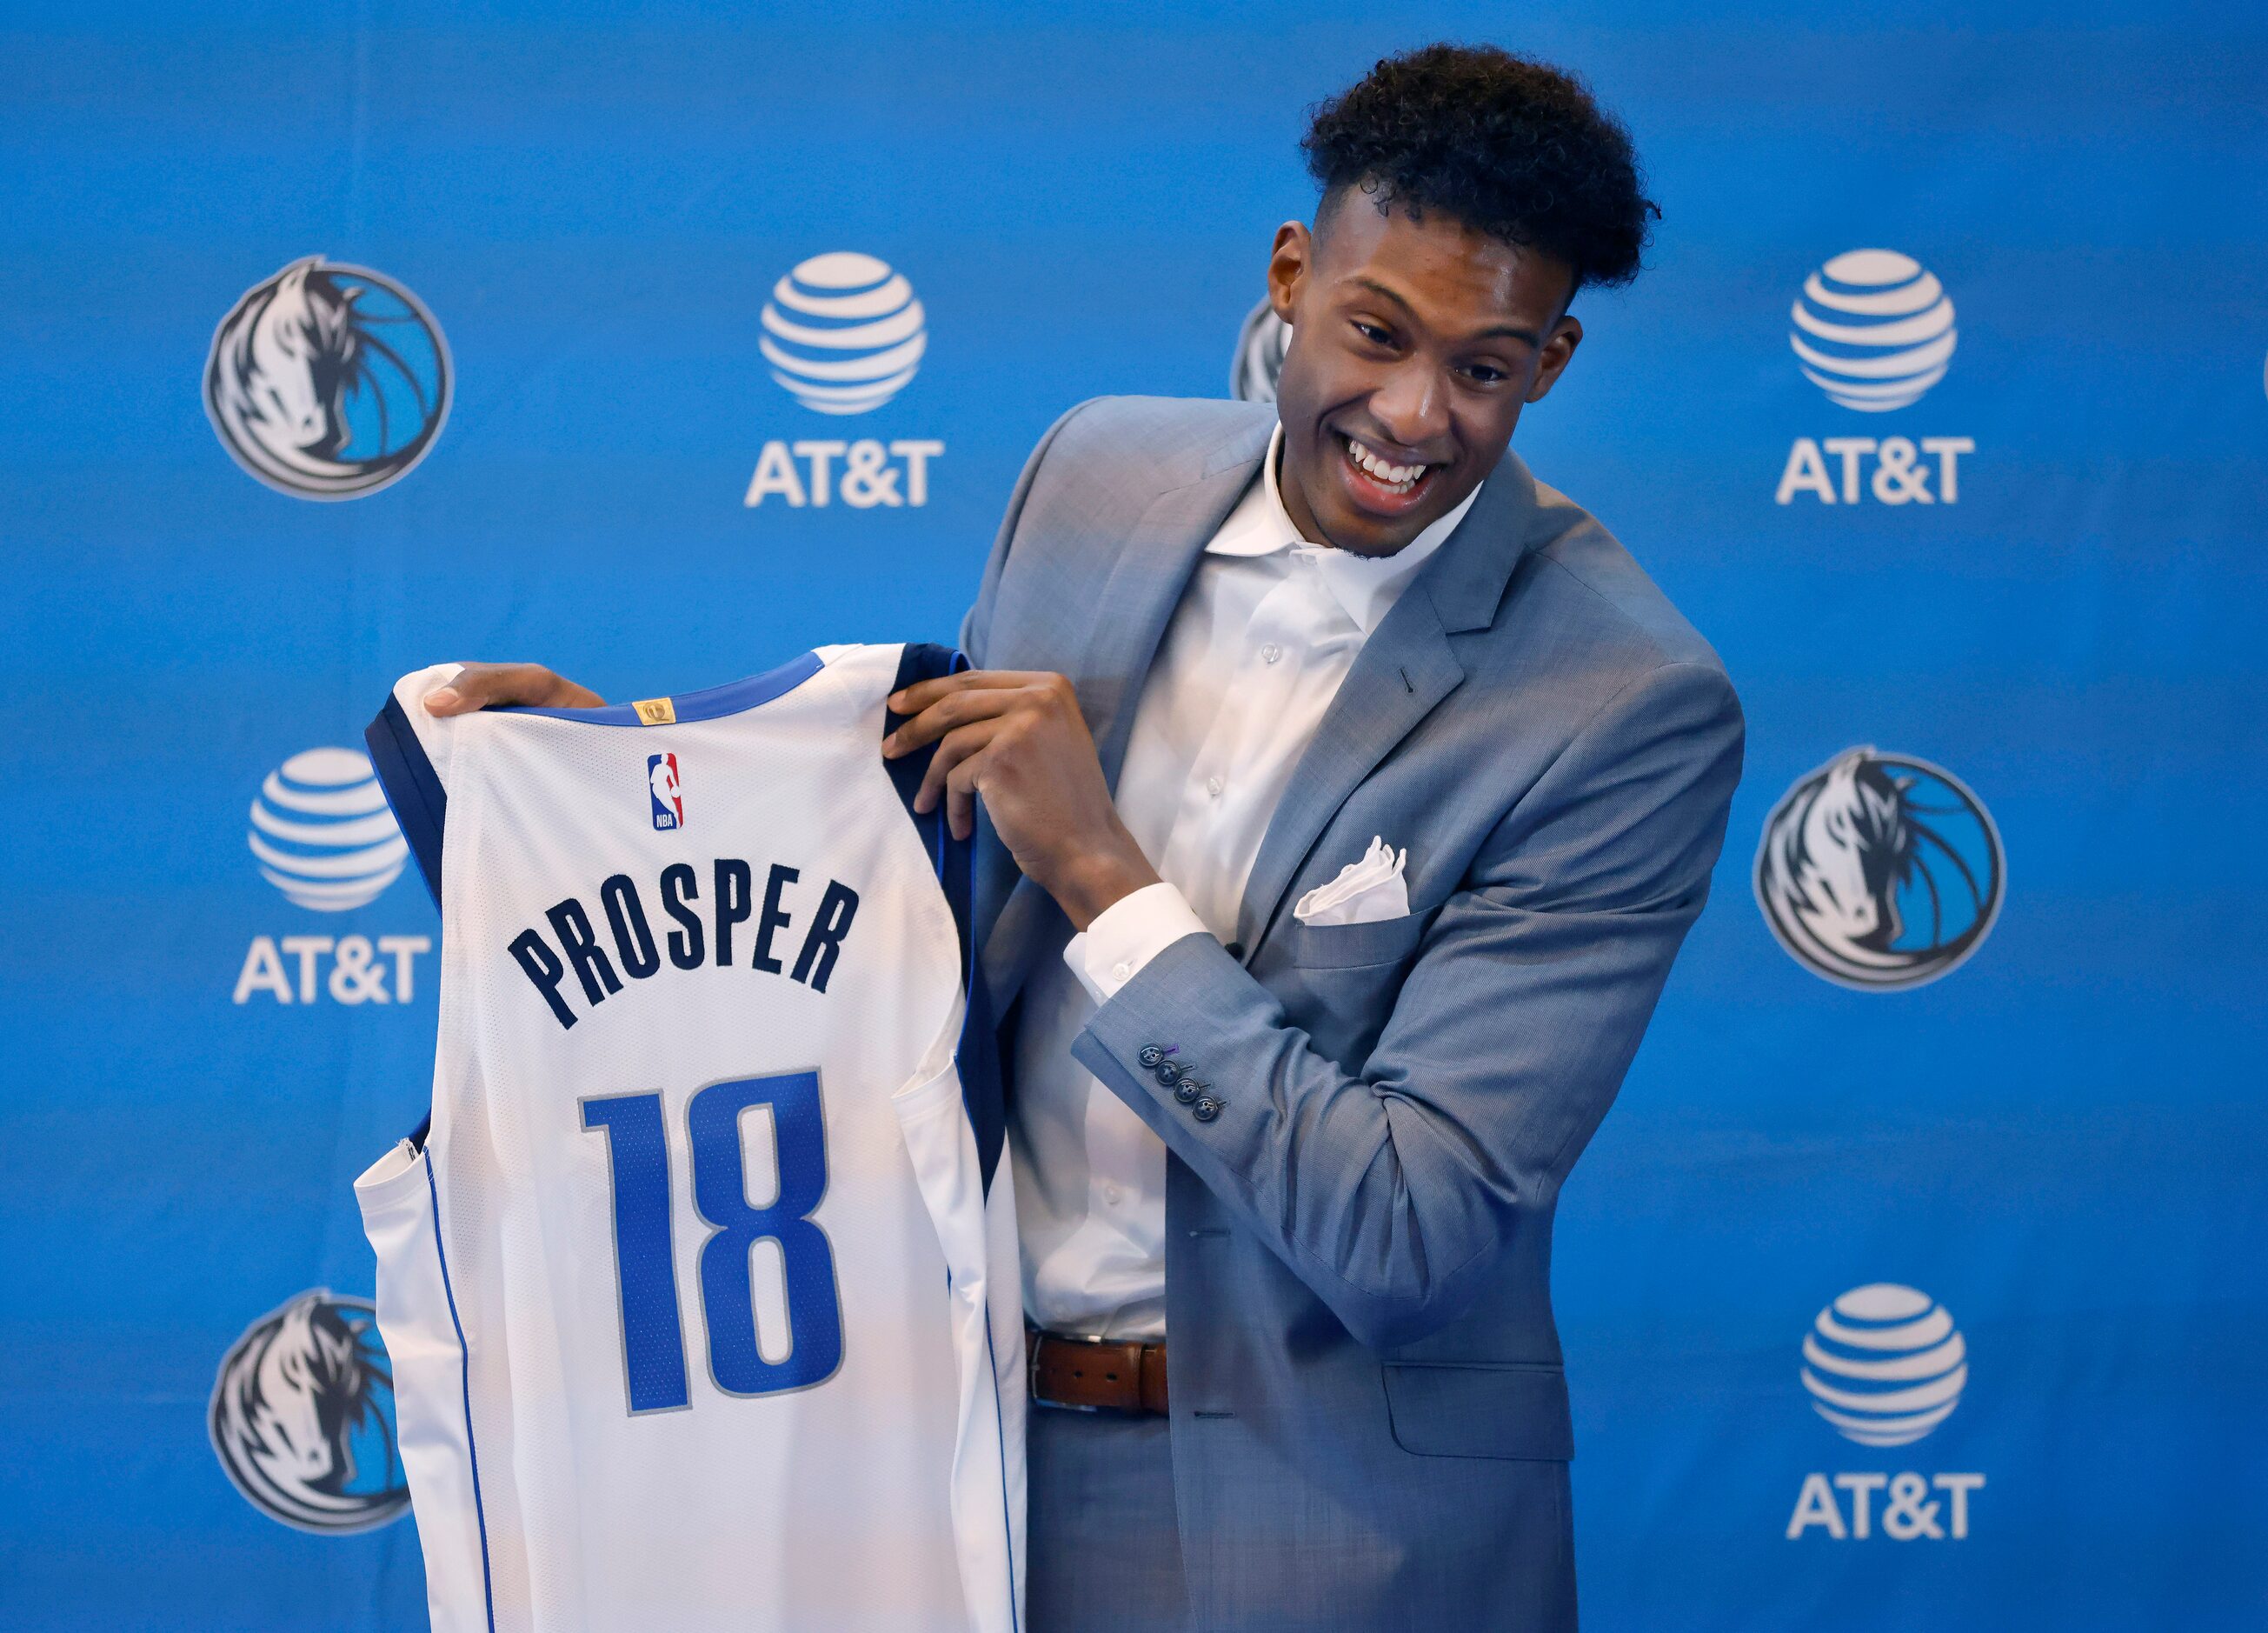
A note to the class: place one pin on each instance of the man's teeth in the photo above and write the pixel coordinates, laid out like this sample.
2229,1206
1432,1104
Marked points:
1401,477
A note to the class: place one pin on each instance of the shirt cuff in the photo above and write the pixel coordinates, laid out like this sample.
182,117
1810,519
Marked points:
1126,935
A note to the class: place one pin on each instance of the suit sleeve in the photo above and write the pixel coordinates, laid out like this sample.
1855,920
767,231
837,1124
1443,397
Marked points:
1393,1193
976,623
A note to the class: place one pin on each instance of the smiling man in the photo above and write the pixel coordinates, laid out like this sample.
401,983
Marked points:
1347,794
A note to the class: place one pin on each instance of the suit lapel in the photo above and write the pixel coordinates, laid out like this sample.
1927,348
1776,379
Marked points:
1138,600
1404,669
1125,621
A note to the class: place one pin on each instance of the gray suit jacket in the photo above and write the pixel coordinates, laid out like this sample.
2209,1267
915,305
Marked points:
1370,1424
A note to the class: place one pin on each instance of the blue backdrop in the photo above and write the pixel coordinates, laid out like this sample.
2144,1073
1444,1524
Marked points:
2041,611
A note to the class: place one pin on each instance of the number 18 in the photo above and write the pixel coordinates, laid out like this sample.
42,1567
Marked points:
653,1331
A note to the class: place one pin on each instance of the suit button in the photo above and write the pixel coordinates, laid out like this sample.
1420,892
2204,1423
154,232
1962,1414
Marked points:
1206,1110
1188,1089
1151,1055
1167,1074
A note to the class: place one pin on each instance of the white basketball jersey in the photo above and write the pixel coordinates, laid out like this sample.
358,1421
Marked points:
701,1292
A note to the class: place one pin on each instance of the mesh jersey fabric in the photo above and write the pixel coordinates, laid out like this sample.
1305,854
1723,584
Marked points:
701,1289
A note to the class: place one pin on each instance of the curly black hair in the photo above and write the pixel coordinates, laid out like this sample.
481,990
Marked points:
1512,147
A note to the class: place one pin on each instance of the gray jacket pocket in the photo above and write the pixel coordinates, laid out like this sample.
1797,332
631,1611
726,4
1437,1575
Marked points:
1477,1409
1349,946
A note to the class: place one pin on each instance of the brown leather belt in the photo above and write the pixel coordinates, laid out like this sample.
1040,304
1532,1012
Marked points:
1093,1374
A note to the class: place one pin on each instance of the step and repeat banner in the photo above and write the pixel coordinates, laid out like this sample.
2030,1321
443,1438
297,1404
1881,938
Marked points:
1920,1278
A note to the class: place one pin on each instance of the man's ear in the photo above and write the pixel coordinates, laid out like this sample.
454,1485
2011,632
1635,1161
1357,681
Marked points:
1288,263
1558,351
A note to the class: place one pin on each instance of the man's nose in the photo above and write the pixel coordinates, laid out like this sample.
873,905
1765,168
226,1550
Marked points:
1412,407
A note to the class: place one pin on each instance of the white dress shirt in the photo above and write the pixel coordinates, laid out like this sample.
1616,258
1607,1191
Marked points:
1265,631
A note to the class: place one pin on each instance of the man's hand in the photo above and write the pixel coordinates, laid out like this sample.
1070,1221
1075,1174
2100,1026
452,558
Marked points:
1017,738
488,685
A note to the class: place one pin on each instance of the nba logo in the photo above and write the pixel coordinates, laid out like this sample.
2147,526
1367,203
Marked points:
661,782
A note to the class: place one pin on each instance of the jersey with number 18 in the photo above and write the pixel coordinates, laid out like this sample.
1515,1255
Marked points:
700,1290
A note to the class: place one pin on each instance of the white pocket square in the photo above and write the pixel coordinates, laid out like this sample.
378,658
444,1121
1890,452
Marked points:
1365,892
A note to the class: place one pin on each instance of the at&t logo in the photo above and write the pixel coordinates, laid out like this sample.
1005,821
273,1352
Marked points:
1873,330
327,381
322,834
1880,871
1885,1365
843,335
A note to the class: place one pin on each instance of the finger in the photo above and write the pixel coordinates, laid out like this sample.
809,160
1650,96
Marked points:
465,692
566,694
474,686
957,747
490,685
921,694
948,712
961,789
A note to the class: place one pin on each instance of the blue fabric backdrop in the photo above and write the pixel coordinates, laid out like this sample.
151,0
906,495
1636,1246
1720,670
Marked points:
2058,1142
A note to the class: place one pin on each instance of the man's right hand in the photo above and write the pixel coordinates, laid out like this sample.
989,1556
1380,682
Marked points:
484,686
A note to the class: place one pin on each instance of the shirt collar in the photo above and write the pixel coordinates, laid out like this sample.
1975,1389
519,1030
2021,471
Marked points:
1365,586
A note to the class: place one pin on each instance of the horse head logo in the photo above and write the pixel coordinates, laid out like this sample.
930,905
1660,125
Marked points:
1879,870
1260,343
302,1416
327,381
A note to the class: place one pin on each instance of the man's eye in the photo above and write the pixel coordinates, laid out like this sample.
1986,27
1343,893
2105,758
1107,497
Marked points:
1484,374
1370,332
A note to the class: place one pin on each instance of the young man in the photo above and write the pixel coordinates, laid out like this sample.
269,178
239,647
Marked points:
1298,1102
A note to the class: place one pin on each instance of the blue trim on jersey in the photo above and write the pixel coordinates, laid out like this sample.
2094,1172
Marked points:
472,1450
411,786
1000,1439
977,1055
714,703
420,804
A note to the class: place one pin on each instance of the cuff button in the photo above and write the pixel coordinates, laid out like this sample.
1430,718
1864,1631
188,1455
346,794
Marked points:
1206,1110
1188,1089
1151,1055
1168,1074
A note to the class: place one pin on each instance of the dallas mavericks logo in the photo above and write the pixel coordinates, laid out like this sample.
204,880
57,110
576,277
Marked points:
1880,871
302,1416
1260,347
327,381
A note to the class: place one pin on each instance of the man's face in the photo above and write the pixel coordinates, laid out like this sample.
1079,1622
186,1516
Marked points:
1414,345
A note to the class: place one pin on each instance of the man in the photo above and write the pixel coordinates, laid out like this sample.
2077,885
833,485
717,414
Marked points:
1350,794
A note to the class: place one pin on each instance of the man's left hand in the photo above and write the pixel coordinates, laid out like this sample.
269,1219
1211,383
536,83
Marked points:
1016,738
